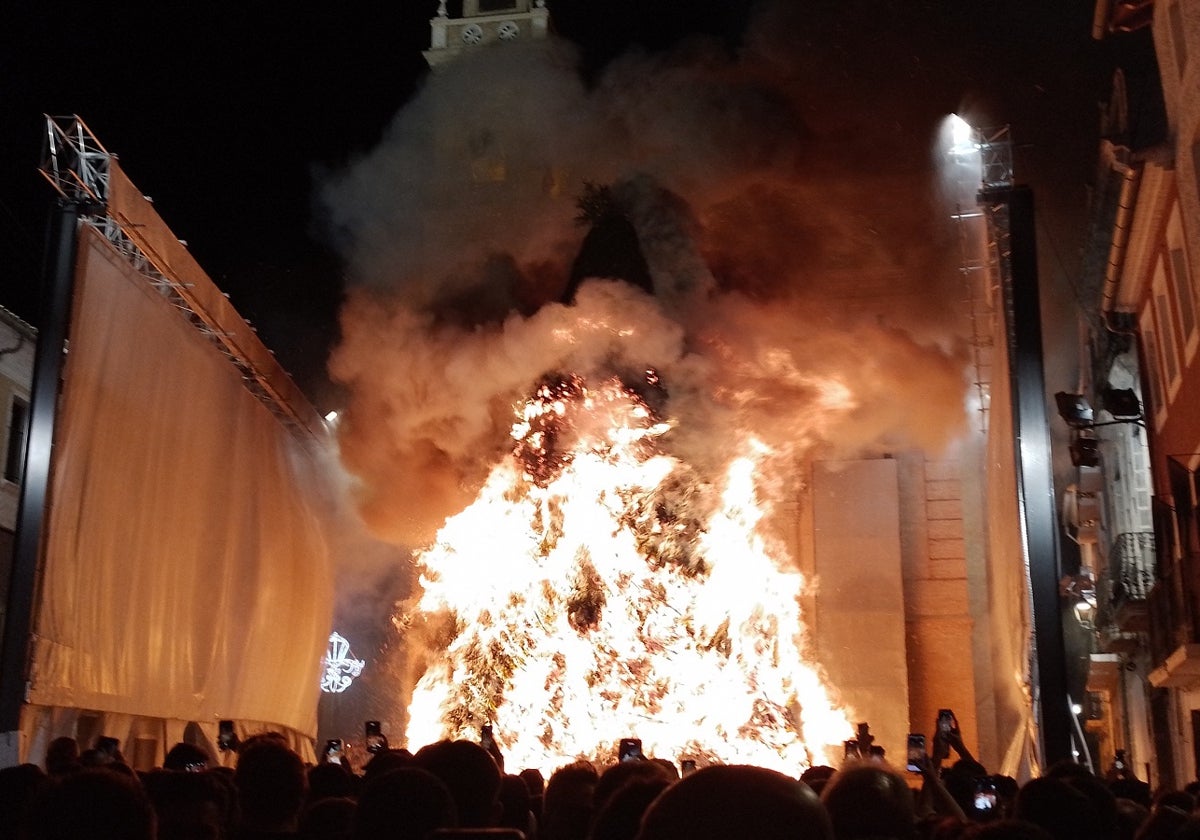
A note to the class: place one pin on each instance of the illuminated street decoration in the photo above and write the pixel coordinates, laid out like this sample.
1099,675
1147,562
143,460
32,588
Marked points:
341,667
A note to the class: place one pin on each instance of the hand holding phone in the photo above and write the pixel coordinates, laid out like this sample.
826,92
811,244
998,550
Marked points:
374,740
630,750
226,737
108,748
985,794
917,755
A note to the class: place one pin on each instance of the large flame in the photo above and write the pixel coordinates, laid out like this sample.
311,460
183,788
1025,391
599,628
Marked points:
598,588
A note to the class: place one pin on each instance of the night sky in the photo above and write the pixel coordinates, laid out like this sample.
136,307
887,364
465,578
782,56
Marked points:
225,112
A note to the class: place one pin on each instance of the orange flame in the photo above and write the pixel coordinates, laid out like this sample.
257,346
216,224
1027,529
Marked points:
597,588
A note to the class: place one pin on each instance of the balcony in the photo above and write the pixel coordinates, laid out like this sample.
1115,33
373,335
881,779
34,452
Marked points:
1131,576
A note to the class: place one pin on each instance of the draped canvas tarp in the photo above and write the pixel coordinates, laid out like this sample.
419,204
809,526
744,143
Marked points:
185,570
1011,610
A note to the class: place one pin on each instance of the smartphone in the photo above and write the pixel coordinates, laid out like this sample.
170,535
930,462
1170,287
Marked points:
375,741
108,746
333,751
946,721
630,750
487,738
985,794
687,767
850,749
226,739
916,752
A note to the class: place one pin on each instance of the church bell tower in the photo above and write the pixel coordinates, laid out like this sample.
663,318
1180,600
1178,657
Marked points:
483,22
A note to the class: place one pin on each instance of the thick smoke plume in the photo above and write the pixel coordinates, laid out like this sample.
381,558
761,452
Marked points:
802,289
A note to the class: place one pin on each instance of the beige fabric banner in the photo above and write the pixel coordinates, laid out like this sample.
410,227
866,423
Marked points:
186,574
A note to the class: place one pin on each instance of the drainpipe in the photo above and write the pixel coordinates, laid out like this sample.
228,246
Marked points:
1131,180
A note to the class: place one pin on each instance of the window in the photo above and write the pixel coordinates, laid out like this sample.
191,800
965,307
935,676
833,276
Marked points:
1165,322
1182,288
1166,331
496,5
14,457
1152,385
1178,36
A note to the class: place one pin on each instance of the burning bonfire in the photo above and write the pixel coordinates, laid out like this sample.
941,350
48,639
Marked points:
598,588
592,475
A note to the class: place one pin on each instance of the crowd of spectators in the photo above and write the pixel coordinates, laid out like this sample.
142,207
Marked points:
459,790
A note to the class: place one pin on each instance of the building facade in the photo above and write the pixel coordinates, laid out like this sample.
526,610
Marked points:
1138,453
17,343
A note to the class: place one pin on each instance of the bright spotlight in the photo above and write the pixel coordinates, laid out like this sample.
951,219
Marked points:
962,137
331,417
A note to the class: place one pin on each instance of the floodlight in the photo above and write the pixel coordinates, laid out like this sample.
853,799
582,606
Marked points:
1121,403
1074,409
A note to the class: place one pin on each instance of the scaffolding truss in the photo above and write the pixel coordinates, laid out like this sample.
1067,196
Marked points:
986,154
78,166
74,162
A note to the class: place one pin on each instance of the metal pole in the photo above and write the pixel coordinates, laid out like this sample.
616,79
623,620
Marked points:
59,275
1035,481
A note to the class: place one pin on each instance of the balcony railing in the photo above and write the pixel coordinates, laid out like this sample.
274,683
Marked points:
1131,564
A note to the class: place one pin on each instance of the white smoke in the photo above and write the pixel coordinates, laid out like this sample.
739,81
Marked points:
800,294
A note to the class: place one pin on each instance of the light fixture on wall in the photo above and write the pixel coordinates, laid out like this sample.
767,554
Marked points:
1079,591
1075,410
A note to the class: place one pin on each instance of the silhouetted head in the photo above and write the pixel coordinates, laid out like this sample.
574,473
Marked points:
1180,799
616,776
19,785
405,804
869,800
329,818
1102,801
387,760
728,802
184,756
328,780
1058,807
1166,823
621,816
93,803
533,781
472,776
272,784
1134,790
62,756
189,806
567,802
1130,817
517,804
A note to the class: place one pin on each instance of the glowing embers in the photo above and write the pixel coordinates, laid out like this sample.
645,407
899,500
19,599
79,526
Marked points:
598,588
566,416
340,666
